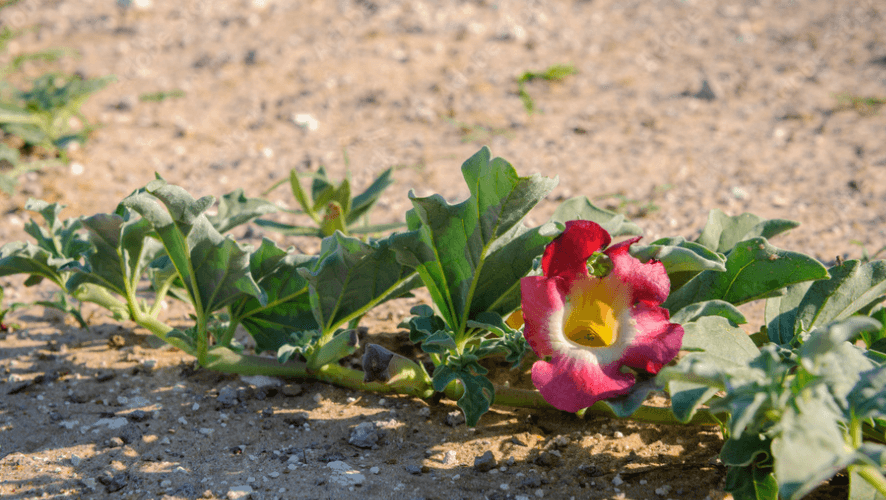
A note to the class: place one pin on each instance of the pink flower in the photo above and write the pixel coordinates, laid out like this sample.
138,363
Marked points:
586,329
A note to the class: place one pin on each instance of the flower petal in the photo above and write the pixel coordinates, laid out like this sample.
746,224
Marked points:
648,281
568,254
571,385
542,304
657,341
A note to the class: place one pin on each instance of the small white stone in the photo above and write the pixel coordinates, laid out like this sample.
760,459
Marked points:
76,168
291,467
165,440
206,431
504,486
374,470
318,398
183,420
617,480
75,460
274,474
195,406
250,479
618,435
239,492
166,483
540,493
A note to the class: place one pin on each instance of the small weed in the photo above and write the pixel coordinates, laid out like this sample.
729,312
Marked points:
161,96
862,105
554,73
865,256
478,133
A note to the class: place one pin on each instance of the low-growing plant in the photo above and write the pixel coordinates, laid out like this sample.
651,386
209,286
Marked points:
40,116
555,73
601,323
331,207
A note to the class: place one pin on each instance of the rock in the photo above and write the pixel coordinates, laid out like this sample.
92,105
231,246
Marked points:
455,418
111,423
344,474
364,435
449,458
413,469
485,462
530,482
227,396
138,416
292,390
262,381
239,492
115,442
75,460
296,419
548,458
114,483
130,434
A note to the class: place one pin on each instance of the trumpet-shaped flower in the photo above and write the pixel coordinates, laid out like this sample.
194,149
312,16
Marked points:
586,328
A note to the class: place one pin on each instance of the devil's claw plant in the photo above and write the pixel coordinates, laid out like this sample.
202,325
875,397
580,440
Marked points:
606,324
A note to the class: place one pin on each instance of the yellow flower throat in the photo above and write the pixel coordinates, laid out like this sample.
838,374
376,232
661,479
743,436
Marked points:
592,321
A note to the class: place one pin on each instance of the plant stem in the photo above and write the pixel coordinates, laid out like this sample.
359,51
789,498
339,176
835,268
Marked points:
873,476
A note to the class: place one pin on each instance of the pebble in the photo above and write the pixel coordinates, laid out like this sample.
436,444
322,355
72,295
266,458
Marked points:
130,433
75,460
274,475
227,396
292,390
540,493
449,458
239,492
485,462
345,475
424,412
318,398
166,483
89,482
618,435
374,470
183,420
455,418
195,406
206,431
364,435
617,480
663,491
262,381
111,423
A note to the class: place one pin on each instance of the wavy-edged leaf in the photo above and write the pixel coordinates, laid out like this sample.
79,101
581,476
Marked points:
581,208
352,276
214,269
754,270
852,287
723,232
479,393
720,348
288,306
21,257
750,482
450,245
235,209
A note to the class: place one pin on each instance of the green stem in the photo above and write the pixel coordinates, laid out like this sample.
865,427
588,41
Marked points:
873,476
855,432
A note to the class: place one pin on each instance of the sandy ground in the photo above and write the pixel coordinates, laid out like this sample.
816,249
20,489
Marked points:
676,108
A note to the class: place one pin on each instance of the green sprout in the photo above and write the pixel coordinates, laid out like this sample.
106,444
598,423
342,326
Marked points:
555,73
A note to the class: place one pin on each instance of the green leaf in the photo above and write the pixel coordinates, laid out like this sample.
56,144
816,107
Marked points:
694,312
723,232
479,393
235,209
625,406
809,448
781,313
581,208
861,489
288,306
852,287
352,277
344,343
754,270
451,245
751,447
299,193
27,258
363,202
214,269
751,483
121,251
300,343
289,230
699,375
679,255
